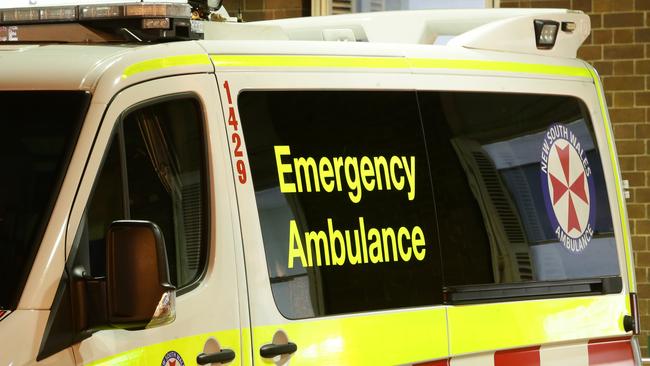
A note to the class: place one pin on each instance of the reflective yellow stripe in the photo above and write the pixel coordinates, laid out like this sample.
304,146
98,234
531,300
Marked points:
394,63
479,328
499,66
161,63
188,348
617,180
399,337
310,61
246,346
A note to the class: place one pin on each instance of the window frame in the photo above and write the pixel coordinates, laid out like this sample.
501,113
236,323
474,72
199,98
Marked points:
117,135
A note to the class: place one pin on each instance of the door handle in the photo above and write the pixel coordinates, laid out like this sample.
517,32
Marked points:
224,356
272,350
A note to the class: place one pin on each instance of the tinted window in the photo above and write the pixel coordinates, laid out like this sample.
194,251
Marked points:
37,133
344,199
519,188
154,171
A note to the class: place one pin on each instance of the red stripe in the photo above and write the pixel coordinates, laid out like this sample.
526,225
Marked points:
517,357
433,363
611,352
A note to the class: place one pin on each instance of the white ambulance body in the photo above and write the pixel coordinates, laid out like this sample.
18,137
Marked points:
264,196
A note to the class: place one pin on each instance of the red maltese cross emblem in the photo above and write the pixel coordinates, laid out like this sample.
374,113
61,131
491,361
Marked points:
569,184
567,187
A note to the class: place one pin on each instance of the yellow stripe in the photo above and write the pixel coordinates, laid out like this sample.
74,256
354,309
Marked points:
377,339
188,348
309,61
246,346
617,180
479,328
394,63
499,66
165,62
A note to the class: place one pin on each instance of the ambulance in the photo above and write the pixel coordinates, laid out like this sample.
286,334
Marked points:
400,188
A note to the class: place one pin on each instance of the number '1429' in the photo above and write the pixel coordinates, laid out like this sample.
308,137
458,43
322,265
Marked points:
235,137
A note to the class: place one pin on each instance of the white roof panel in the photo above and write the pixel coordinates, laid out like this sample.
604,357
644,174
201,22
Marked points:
54,67
509,30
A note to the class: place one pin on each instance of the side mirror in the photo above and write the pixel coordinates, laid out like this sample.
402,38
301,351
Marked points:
138,290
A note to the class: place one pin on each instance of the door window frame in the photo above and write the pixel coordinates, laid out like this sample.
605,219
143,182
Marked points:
117,136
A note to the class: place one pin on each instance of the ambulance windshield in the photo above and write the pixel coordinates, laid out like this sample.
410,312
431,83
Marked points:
37,134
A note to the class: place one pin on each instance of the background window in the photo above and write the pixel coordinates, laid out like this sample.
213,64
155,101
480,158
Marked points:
154,171
35,148
317,128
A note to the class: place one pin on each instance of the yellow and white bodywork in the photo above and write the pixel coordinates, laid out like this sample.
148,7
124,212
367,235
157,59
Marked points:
279,129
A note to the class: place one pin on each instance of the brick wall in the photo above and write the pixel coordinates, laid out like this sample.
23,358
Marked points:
619,48
252,10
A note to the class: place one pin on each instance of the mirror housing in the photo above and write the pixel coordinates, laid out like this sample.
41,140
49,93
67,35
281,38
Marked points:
139,293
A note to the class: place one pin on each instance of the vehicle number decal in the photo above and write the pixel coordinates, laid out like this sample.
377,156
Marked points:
235,137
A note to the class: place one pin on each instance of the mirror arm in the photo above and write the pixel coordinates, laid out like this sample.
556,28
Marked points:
88,301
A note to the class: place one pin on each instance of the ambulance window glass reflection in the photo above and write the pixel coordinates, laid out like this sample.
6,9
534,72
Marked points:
35,149
519,184
344,197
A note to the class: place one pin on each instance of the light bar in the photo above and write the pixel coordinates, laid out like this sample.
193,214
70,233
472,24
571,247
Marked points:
158,10
100,11
95,12
155,23
59,14
19,15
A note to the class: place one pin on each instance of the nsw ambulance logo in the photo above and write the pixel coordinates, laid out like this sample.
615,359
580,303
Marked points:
172,358
567,187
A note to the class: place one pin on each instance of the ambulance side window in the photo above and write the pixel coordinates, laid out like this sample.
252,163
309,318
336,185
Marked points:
344,198
155,171
519,186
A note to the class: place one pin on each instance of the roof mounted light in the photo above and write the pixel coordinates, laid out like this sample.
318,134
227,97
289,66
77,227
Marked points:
159,10
155,23
569,27
21,15
135,11
89,12
36,15
546,33
64,13
131,22
94,12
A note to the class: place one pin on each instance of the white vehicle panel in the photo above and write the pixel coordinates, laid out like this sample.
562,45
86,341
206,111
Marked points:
55,67
22,333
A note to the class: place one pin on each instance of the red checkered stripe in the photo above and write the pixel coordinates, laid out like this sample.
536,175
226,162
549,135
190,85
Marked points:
602,352
3,313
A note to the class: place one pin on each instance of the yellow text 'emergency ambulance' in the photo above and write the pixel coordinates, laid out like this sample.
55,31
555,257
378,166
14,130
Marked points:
401,188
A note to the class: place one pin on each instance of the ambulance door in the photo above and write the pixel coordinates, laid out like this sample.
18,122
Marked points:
337,215
159,156
530,235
